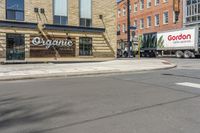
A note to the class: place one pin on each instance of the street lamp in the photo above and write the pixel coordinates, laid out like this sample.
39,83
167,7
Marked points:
128,28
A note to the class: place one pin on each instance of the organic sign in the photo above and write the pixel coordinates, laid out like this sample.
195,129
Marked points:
38,41
51,47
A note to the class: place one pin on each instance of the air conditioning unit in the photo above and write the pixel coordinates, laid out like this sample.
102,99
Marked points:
100,16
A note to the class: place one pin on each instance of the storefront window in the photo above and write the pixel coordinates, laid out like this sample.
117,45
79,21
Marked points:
60,12
86,13
15,47
85,46
15,10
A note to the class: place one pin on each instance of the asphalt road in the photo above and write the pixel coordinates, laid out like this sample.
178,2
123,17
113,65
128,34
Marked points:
166,101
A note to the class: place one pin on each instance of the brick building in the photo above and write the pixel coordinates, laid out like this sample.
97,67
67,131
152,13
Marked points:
55,29
149,17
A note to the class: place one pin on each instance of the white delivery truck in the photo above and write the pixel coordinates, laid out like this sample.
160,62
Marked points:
179,43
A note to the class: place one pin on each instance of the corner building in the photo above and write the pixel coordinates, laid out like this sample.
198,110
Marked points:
191,15
149,17
54,29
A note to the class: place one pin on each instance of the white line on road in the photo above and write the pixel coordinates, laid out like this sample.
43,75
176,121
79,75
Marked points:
188,84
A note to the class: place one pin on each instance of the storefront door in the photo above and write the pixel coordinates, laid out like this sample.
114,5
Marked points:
15,47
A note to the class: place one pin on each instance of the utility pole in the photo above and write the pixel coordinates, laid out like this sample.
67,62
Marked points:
128,28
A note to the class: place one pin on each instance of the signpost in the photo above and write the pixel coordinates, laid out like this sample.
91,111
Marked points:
128,28
139,45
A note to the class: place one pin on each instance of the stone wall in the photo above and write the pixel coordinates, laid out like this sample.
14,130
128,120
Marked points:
2,9
104,44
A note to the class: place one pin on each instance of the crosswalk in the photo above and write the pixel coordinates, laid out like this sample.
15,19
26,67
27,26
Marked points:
189,84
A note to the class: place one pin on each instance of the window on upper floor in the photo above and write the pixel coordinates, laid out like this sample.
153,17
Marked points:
157,2
135,23
175,17
118,27
148,21
142,23
189,2
15,10
157,20
124,27
165,1
141,4
165,17
124,11
119,13
148,3
135,7
60,12
86,13
130,7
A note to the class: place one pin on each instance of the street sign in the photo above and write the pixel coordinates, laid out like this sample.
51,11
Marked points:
133,27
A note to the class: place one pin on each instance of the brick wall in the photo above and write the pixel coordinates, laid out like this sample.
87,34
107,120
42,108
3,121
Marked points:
151,12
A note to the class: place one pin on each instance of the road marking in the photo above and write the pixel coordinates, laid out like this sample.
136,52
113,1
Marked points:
188,84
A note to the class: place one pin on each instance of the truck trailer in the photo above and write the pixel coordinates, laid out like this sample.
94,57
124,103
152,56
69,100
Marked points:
181,43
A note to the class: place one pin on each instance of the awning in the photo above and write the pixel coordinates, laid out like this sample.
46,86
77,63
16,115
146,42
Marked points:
17,24
73,28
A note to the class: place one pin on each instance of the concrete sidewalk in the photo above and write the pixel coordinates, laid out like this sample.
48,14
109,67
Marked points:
31,71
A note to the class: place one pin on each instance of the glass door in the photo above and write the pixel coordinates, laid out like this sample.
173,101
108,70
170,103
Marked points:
15,47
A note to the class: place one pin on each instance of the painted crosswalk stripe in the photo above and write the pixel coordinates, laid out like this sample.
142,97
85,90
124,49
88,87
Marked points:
188,84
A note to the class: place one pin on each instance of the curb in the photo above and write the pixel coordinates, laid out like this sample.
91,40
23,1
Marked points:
61,75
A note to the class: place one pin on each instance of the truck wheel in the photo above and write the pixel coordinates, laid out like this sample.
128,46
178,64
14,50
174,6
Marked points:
179,54
192,54
187,54
152,54
158,54
142,54
145,54
125,54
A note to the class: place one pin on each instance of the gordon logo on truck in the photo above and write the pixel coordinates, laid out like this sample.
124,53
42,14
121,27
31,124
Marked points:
179,37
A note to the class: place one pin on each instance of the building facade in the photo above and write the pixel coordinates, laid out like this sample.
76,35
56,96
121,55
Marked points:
149,17
191,13
31,29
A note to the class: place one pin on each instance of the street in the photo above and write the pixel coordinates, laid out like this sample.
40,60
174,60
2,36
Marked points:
162,101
